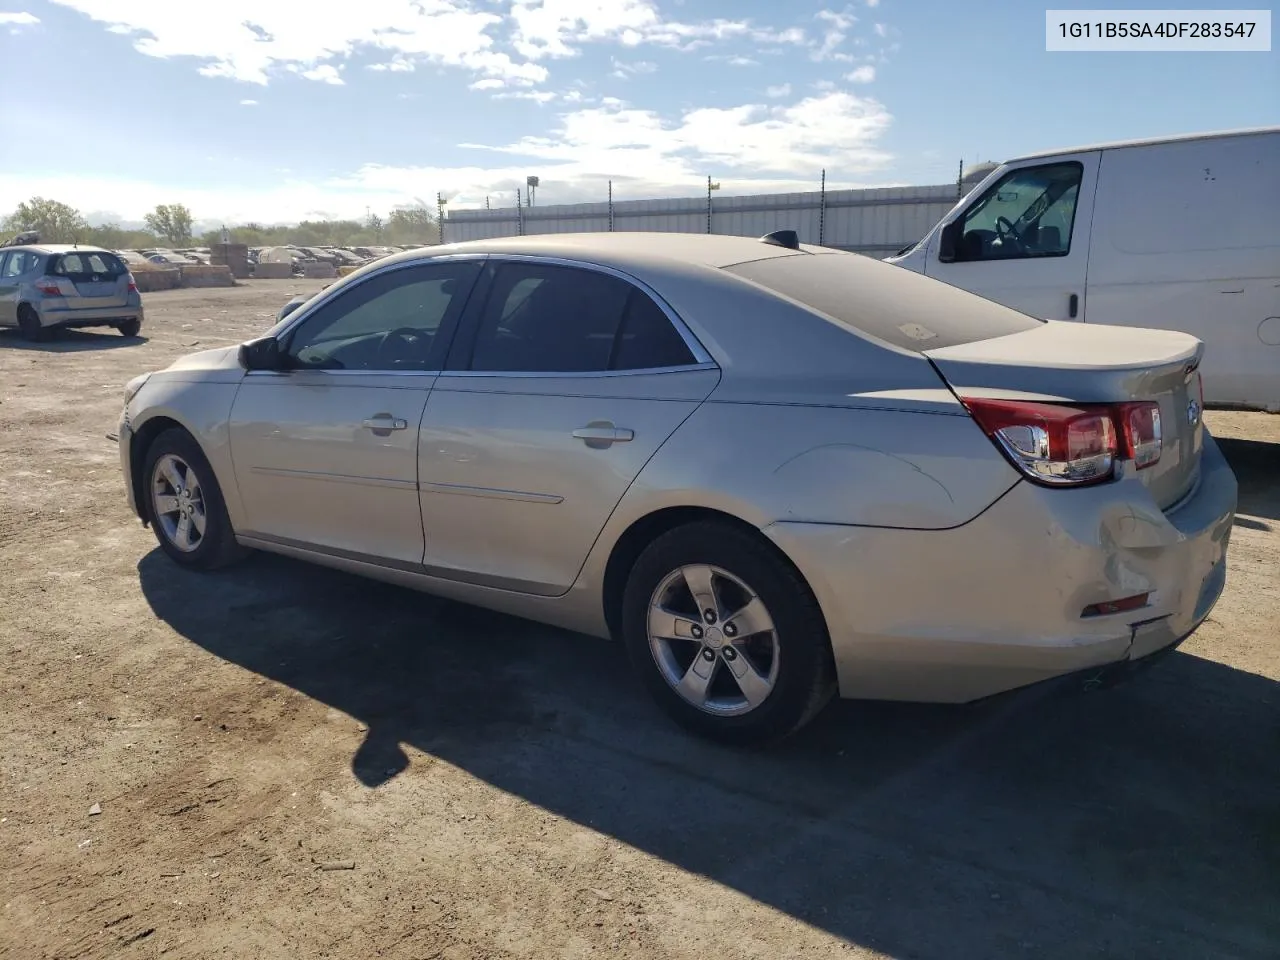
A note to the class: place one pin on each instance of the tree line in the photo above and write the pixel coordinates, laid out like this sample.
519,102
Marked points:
171,225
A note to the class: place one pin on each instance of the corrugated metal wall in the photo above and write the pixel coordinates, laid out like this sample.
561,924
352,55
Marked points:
877,222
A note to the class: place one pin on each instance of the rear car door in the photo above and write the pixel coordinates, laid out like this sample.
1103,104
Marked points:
10,269
325,449
565,379
1024,241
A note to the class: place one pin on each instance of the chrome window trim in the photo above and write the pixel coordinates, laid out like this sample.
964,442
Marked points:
572,374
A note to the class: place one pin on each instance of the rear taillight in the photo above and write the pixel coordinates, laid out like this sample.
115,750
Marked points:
133,284
1062,445
49,287
1140,429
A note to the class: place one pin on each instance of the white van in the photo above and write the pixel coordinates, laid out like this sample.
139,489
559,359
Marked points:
1181,233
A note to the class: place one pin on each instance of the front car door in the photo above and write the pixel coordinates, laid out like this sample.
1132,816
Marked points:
565,379
9,286
1024,241
325,449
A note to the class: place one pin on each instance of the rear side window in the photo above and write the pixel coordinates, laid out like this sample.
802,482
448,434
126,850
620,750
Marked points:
18,263
87,265
544,318
894,305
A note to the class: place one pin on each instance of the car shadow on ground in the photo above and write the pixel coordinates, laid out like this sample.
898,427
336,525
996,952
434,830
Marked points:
70,341
1257,467
1140,821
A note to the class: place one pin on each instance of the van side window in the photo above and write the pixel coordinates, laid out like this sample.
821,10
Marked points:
1028,213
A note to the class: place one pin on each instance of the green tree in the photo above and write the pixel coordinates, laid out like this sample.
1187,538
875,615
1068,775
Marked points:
373,223
415,224
172,222
56,222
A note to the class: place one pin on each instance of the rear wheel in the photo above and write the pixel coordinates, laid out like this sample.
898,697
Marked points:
726,635
184,504
130,328
29,325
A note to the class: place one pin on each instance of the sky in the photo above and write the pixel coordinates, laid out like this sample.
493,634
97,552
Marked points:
280,110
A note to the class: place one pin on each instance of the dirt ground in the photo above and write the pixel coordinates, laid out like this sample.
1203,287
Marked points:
282,761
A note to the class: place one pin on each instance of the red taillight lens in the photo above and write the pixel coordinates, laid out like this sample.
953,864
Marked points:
49,287
1051,443
1061,445
133,284
1124,605
1140,427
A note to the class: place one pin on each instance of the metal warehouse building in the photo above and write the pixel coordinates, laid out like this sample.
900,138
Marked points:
877,222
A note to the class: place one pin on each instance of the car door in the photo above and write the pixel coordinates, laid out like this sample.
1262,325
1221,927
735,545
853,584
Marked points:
1024,241
565,379
9,286
325,449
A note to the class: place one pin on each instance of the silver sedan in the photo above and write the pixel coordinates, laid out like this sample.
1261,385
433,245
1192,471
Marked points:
775,471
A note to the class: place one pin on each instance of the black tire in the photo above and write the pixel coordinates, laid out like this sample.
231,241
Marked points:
129,328
805,679
29,325
217,546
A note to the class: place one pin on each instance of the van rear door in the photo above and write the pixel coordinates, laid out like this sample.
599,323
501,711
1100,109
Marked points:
1023,239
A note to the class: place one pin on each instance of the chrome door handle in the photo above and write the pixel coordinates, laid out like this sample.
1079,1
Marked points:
602,433
384,423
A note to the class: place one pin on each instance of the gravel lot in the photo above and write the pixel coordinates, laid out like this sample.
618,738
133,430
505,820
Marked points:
283,761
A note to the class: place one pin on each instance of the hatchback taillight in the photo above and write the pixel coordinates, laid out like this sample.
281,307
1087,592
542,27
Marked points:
133,284
1064,445
49,288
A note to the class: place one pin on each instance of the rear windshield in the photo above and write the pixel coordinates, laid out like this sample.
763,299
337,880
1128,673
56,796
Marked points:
87,265
890,303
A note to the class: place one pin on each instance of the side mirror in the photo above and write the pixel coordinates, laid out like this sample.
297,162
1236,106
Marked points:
949,240
261,354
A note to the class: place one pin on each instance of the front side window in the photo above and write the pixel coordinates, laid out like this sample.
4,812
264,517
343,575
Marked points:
389,321
1028,213
545,318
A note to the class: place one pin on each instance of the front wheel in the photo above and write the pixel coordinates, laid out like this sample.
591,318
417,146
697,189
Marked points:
184,504
129,328
726,634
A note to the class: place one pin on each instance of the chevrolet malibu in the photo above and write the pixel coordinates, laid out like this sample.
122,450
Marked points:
775,471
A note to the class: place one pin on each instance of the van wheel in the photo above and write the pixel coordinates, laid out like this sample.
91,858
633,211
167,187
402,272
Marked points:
29,325
129,328
184,504
726,635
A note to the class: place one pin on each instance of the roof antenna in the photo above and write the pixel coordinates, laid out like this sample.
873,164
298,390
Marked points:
782,238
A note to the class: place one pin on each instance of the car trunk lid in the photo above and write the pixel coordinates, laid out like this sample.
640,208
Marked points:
1085,364
96,279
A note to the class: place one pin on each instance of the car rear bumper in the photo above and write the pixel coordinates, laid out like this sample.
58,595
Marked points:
961,614
66,318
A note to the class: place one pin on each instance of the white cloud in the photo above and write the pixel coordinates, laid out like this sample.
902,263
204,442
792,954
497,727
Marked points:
537,96
248,103
249,40
836,31
881,30
624,71
20,19
252,40
782,90
864,74
748,148
489,83
324,73
873,3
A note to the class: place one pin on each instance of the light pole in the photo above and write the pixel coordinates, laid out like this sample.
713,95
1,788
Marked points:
532,183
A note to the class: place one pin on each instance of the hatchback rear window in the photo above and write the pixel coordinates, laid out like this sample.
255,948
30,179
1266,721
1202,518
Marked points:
890,303
78,266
